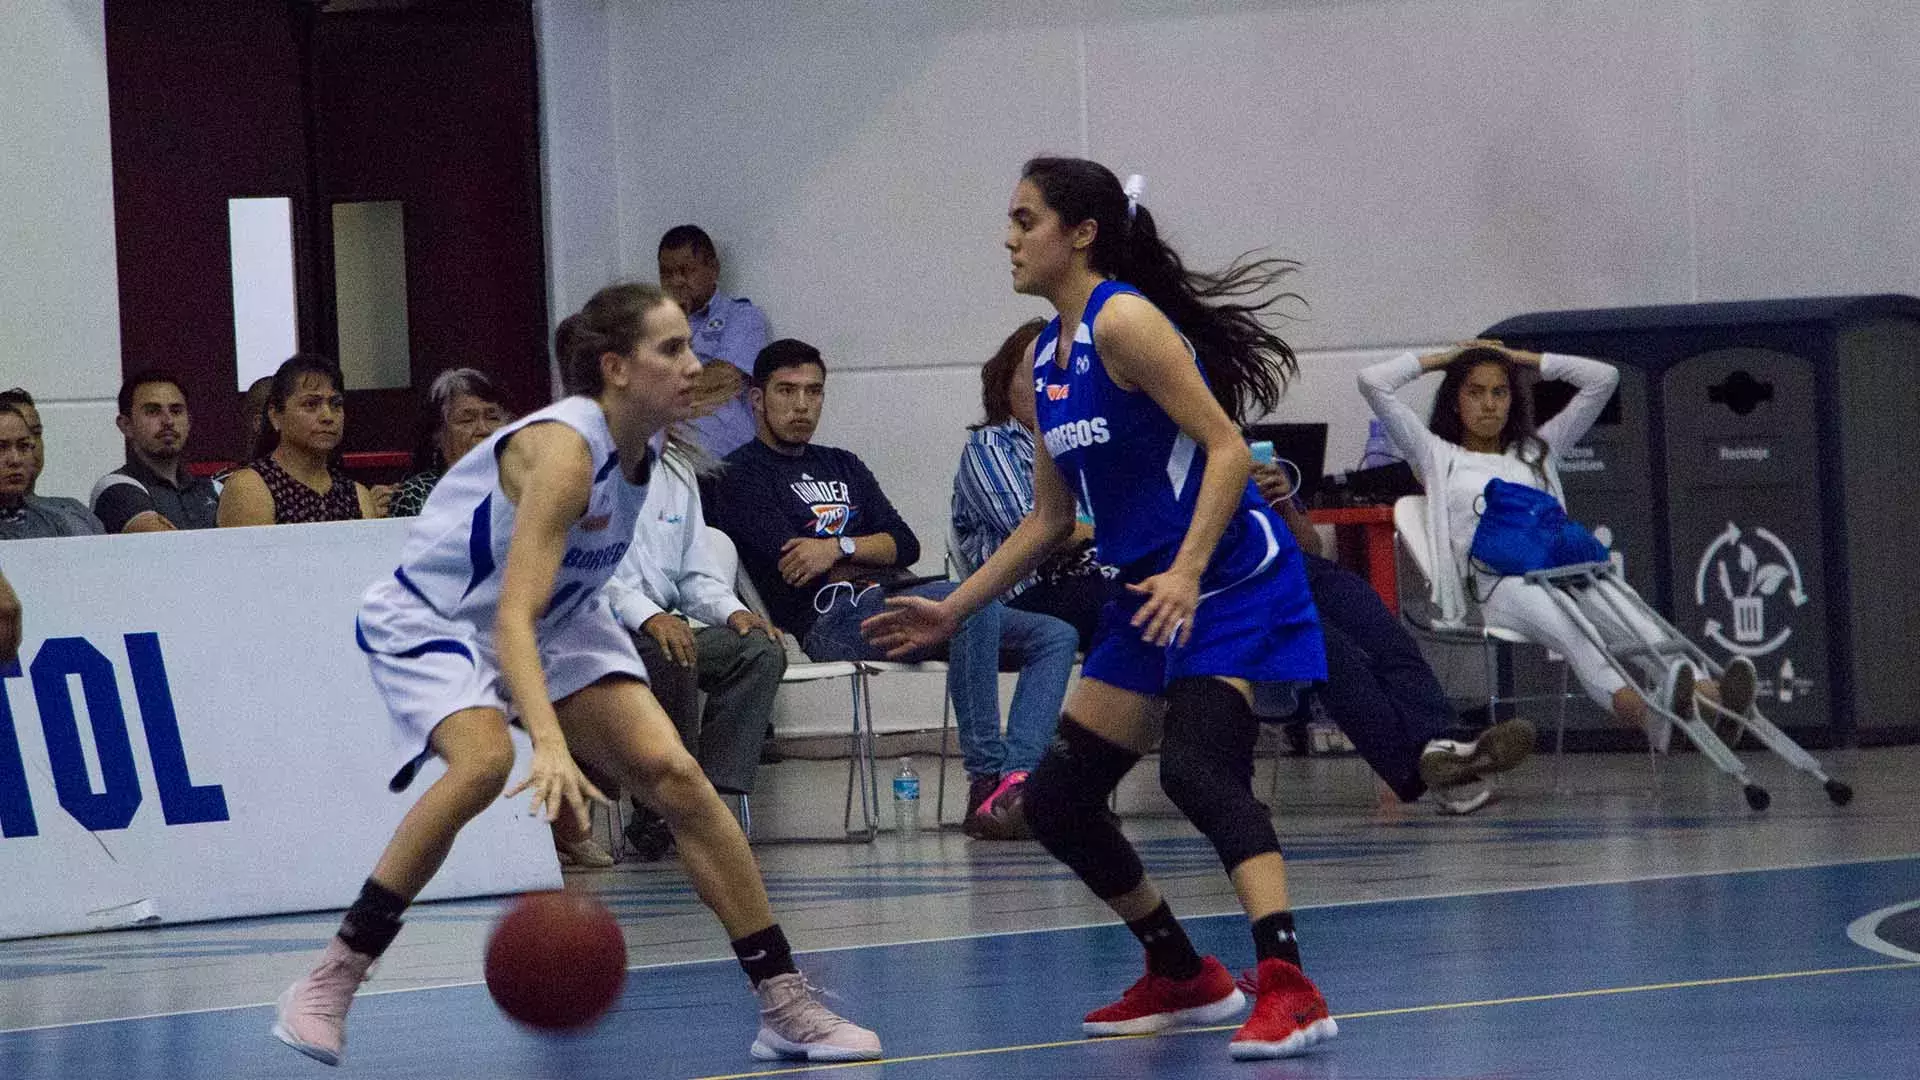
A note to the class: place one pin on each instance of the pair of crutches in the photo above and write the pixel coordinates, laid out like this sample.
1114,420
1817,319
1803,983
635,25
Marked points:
1600,583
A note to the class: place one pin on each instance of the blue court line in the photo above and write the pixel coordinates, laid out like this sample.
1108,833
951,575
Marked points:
1530,999
667,895
1544,950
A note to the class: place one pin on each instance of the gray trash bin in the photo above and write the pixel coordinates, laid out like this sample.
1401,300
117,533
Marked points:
1783,441
1745,524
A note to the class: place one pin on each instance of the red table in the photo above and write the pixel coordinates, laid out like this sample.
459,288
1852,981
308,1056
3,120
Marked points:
1363,536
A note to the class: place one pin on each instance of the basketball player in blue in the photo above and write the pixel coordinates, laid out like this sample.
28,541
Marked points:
1138,384
495,612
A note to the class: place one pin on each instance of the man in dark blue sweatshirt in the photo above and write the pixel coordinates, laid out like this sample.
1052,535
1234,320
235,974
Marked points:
825,548
816,534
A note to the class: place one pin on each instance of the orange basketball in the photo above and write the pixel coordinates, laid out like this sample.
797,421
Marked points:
556,960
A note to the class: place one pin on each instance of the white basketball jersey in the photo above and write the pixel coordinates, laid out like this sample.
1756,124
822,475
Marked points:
456,551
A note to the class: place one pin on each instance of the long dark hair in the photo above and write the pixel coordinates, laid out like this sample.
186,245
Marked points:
285,380
612,321
996,376
1519,430
1246,364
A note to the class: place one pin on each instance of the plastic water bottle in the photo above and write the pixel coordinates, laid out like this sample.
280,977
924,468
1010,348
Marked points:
1380,449
906,800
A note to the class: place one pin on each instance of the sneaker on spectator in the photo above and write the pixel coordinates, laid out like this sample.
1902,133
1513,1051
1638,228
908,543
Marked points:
647,834
1156,1003
1450,763
978,789
1001,815
1738,683
795,1026
1289,1015
1461,799
583,853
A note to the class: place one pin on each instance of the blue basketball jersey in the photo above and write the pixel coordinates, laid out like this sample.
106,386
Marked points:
1130,466
456,550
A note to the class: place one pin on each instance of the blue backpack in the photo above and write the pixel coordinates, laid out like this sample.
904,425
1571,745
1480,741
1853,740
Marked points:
1523,529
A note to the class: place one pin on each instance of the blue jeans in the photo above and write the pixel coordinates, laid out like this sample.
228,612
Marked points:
1039,646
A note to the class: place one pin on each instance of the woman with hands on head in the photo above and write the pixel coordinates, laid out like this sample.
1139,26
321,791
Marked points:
497,612
1482,429
1139,383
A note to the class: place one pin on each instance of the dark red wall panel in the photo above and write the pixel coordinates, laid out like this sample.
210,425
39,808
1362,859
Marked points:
433,104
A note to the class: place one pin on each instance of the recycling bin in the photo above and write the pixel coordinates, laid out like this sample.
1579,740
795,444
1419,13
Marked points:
1744,521
1782,456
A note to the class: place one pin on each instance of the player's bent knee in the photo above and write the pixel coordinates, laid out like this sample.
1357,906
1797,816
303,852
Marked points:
1066,807
665,771
1205,772
481,763
1048,806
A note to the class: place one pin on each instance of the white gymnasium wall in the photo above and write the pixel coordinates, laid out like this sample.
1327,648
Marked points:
1436,165
578,167
59,298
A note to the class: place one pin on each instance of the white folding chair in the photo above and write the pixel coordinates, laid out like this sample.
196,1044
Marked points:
1410,529
801,669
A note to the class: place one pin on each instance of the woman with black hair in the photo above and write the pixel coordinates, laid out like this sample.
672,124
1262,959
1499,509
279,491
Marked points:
1139,385
1481,428
294,476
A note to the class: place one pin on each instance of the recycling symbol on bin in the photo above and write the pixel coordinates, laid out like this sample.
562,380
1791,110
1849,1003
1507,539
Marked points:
1746,583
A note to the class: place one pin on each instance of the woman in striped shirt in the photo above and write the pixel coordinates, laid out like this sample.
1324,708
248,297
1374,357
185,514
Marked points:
993,491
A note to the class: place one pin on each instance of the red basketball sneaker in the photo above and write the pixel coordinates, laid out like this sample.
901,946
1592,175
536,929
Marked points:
1289,1015
1157,1003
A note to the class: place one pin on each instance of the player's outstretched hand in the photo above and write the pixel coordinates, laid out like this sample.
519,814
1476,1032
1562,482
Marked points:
1168,611
910,623
559,787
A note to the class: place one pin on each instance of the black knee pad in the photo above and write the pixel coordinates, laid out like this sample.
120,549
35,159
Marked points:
1066,806
1206,768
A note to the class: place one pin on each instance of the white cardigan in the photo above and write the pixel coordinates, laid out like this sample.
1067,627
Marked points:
670,566
1446,468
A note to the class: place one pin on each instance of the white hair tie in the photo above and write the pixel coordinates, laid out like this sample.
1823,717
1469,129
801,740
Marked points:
1135,187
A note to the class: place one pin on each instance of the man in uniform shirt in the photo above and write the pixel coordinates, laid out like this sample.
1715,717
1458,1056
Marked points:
726,329
154,491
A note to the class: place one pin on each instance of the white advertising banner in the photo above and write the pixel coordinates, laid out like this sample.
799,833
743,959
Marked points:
190,733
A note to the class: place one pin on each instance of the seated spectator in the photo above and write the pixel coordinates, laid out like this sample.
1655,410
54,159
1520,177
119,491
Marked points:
726,330
24,515
825,547
1380,691
462,408
253,411
993,491
294,477
9,623
1481,429
23,402
253,415
154,491
667,582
